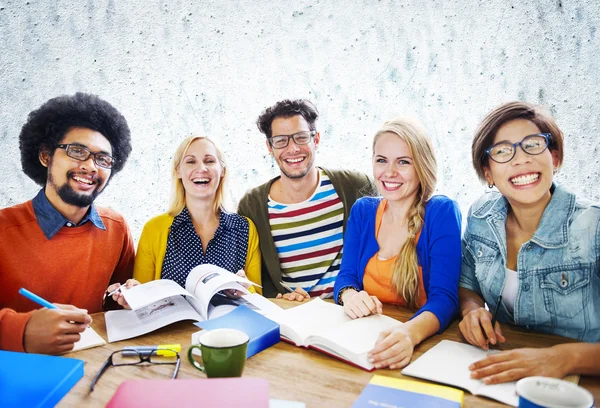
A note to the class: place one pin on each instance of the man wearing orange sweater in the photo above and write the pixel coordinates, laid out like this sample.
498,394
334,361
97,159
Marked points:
59,245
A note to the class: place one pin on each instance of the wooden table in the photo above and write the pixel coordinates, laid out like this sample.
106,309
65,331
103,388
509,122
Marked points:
293,373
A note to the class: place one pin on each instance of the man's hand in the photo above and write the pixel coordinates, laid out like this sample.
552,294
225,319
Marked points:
360,304
55,331
298,294
515,364
477,329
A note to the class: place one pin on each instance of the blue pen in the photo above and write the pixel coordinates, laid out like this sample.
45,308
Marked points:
39,300
36,298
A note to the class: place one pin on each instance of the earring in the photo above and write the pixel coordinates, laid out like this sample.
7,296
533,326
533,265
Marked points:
490,185
555,170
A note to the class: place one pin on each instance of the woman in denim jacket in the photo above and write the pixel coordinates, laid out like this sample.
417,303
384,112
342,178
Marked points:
531,251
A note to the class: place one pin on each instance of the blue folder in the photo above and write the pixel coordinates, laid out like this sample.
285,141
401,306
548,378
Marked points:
263,332
36,380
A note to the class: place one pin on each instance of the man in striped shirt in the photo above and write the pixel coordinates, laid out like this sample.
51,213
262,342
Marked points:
301,214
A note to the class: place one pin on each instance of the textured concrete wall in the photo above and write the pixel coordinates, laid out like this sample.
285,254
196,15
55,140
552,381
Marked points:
209,67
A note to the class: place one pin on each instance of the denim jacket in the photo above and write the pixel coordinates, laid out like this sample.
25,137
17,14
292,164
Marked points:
558,269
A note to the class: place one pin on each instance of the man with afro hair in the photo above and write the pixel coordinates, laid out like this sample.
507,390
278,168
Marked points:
59,245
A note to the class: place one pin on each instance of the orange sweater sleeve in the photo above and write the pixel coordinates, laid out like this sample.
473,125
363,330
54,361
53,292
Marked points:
124,269
12,327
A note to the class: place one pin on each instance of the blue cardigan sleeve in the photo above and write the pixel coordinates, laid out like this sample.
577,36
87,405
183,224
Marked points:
441,258
355,243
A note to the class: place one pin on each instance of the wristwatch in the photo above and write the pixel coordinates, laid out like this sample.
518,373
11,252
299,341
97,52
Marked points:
341,292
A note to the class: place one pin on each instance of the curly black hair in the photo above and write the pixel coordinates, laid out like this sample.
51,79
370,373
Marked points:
46,127
287,108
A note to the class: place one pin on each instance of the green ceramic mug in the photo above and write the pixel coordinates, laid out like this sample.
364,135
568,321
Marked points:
221,353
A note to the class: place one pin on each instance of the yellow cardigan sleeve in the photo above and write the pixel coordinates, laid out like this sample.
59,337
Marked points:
252,267
152,248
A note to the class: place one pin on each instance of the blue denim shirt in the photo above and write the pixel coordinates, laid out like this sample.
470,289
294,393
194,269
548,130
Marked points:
51,221
558,269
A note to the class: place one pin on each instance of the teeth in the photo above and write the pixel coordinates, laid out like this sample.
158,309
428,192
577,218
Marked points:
526,179
200,180
389,184
298,160
83,180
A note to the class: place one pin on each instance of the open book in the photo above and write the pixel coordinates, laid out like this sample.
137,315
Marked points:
448,362
161,302
325,327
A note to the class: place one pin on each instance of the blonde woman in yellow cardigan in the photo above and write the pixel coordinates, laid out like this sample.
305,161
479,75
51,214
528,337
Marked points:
196,229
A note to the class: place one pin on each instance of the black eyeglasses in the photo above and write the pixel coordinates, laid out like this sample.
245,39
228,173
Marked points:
504,152
128,357
300,138
82,153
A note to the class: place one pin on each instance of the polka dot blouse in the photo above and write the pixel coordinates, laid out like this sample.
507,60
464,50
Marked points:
227,249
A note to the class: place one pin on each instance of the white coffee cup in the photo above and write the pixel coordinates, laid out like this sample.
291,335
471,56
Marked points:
545,392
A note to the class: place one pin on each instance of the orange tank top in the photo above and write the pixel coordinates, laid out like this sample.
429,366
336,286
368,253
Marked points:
377,279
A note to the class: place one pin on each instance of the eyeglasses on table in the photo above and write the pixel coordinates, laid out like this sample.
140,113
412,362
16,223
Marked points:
128,357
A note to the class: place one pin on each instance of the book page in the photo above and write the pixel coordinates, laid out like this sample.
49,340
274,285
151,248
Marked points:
142,295
301,321
355,338
221,305
448,362
205,280
125,324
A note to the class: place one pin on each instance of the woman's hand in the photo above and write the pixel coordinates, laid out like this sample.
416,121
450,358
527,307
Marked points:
515,364
394,348
476,327
118,296
360,304
234,294
242,274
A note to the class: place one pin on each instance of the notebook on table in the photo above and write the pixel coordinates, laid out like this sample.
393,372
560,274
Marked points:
240,392
36,380
262,332
384,391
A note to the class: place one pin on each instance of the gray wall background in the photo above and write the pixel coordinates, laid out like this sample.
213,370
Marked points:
176,68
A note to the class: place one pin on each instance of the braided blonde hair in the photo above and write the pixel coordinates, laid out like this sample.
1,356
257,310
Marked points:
405,269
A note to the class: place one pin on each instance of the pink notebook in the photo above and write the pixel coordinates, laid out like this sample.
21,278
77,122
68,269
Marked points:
245,392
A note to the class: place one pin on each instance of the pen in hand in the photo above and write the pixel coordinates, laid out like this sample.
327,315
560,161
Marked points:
38,299
286,287
114,291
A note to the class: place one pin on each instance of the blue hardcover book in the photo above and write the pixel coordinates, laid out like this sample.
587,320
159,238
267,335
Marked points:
395,392
36,380
263,332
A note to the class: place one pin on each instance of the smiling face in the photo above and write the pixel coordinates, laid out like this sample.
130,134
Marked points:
200,170
76,182
294,161
393,168
526,179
